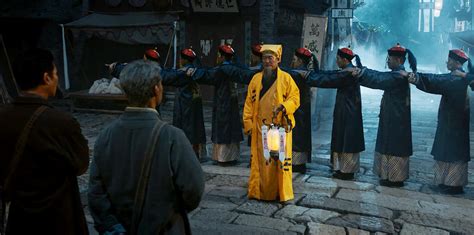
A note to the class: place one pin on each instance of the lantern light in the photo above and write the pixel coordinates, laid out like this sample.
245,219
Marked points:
273,140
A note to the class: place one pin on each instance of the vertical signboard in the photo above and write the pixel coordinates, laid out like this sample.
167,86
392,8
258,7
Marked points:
314,33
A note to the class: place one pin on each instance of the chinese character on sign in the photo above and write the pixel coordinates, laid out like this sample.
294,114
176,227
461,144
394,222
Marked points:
206,47
313,46
209,3
198,3
229,3
314,30
214,5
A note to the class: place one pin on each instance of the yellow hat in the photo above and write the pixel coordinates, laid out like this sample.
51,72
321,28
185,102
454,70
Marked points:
275,48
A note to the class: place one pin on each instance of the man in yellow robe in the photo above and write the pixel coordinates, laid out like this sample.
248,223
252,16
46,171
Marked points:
270,91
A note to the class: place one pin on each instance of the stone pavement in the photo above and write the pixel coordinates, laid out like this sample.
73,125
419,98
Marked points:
323,205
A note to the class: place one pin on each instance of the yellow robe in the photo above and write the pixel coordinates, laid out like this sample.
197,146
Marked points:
269,181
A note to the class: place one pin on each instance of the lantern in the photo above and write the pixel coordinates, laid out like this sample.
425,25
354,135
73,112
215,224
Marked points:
274,140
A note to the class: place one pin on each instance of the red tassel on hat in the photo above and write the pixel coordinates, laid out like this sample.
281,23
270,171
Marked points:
188,53
397,50
458,55
152,53
226,49
304,52
346,52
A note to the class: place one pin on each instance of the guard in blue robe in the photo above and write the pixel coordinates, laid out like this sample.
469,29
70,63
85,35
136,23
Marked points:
451,148
226,124
394,140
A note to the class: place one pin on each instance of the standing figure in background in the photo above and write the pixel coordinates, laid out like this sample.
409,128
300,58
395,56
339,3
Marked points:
347,138
271,93
394,141
302,132
188,114
451,148
256,57
226,124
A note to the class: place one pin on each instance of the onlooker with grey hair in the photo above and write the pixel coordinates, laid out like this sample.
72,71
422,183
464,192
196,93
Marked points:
133,188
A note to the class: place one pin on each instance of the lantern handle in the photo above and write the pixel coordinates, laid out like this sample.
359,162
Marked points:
274,117
290,125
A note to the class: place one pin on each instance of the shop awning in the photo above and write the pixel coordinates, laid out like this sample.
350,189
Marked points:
128,28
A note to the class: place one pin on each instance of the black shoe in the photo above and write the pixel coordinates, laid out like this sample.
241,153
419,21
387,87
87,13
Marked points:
300,168
336,174
343,176
392,184
452,190
436,188
226,164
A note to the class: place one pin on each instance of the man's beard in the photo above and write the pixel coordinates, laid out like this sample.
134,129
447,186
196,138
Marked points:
267,72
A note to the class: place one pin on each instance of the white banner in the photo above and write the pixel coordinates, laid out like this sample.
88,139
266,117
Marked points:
314,33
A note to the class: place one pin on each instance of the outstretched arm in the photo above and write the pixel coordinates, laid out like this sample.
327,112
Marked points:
380,80
439,83
331,79
173,77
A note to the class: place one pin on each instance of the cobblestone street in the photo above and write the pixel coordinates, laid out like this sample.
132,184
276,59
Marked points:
323,205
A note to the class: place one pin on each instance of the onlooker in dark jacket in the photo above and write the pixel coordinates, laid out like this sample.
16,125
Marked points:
176,180
43,187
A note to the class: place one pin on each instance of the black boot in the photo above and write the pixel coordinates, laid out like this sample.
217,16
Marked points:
226,164
343,176
453,190
392,184
300,168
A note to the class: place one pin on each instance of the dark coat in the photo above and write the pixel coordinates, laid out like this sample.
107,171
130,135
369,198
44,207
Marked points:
187,112
394,131
176,179
347,128
302,131
226,121
451,143
45,195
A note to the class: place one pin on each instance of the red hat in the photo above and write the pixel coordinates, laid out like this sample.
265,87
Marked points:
397,50
303,52
346,52
188,54
400,51
458,55
226,49
256,49
306,55
152,54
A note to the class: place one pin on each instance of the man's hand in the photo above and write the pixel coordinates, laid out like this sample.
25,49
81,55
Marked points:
403,73
459,73
111,66
278,109
411,77
190,72
353,70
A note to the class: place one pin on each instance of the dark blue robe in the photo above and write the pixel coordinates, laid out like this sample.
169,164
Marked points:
226,121
347,127
187,112
451,143
302,131
394,131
